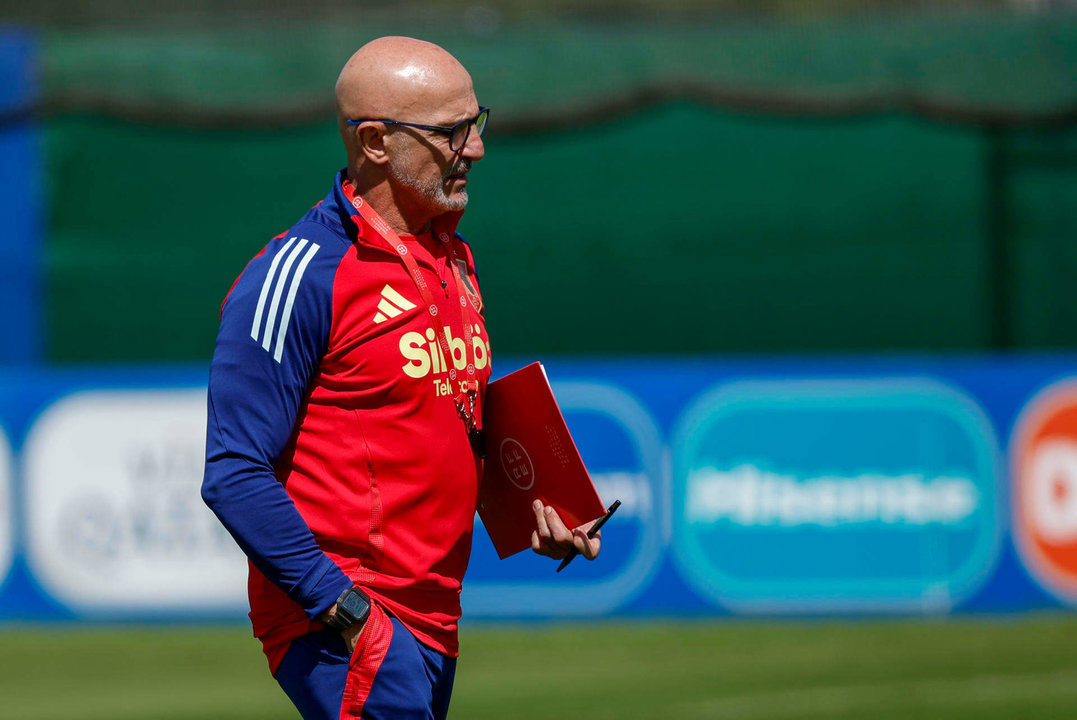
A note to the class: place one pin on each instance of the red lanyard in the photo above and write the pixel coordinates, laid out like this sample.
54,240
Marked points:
467,390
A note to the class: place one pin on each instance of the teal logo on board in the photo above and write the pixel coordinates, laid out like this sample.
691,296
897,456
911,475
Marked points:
836,495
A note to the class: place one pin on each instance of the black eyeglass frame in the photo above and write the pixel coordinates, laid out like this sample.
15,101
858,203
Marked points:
450,131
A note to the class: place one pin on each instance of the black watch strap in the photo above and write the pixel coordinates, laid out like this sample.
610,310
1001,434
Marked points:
353,608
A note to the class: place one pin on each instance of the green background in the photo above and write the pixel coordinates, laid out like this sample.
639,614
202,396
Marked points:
890,184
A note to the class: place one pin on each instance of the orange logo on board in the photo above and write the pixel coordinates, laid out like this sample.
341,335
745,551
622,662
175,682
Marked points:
1044,459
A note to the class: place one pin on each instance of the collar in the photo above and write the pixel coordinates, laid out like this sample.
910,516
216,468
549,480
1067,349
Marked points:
342,207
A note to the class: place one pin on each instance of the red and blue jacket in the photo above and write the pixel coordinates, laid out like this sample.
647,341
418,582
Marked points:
334,452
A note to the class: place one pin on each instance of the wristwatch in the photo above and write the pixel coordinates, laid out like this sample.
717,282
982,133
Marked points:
353,608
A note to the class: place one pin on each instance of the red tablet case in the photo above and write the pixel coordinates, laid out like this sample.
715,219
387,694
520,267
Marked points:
531,455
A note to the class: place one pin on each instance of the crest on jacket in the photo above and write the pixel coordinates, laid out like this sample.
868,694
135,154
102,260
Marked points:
470,289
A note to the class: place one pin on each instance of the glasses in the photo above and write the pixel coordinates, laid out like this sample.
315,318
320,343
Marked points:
458,133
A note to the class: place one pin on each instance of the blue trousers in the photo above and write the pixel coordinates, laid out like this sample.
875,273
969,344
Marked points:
391,675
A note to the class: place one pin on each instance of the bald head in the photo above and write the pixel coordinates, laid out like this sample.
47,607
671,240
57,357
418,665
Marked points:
408,174
400,78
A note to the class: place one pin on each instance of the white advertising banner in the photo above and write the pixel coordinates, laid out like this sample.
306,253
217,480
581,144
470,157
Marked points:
115,517
7,508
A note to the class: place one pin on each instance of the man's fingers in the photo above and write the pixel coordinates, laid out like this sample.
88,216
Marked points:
560,534
588,547
551,537
554,539
540,516
542,538
541,527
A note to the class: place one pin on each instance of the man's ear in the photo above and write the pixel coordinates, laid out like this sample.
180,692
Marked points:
372,142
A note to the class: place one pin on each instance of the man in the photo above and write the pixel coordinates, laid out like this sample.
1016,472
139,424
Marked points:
344,440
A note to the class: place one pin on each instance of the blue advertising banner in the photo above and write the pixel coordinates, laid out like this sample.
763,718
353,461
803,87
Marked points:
873,494
762,486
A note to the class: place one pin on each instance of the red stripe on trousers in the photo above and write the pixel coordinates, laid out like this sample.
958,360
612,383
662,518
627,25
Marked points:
365,662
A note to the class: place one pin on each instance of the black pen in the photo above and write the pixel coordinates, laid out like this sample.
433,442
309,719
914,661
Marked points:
590,533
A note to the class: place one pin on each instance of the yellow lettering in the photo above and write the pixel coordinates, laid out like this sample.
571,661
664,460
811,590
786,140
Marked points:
411,347
458,350
481,354
435,352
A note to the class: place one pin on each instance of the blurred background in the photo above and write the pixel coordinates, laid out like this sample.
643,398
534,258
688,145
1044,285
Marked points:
802,274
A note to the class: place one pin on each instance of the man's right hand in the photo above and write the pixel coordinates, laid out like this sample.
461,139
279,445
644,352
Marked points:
350,634
552,537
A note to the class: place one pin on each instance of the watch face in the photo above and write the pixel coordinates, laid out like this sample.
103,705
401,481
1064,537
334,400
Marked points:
356,605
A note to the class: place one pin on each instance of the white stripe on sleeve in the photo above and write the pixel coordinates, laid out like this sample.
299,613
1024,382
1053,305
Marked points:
265,289
278,290
292,290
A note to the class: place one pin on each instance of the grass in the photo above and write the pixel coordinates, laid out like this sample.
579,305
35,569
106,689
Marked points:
1020,667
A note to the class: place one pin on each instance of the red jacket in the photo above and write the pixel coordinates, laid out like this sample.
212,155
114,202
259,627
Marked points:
335,454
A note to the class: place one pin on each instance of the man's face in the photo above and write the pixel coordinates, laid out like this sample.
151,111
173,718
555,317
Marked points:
438,182
425,168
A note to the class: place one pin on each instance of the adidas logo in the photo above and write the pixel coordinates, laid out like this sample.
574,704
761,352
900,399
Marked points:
391,304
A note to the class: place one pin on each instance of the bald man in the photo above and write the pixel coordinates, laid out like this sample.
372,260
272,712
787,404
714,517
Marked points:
344,444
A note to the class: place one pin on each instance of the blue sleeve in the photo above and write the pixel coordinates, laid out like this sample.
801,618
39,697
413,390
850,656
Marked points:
274,329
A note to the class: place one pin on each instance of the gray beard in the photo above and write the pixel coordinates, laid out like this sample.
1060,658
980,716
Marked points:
434,188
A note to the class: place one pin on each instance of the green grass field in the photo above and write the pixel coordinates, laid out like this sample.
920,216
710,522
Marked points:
957,668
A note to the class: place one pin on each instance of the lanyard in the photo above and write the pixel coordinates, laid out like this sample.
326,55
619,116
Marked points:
467,390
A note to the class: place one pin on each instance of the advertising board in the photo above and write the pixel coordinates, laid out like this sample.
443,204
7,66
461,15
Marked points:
766,486
875,494
114,519
1044,459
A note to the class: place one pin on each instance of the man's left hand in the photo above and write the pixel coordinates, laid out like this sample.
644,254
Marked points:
553,539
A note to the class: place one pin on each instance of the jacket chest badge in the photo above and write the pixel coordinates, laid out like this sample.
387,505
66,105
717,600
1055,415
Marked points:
469,289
